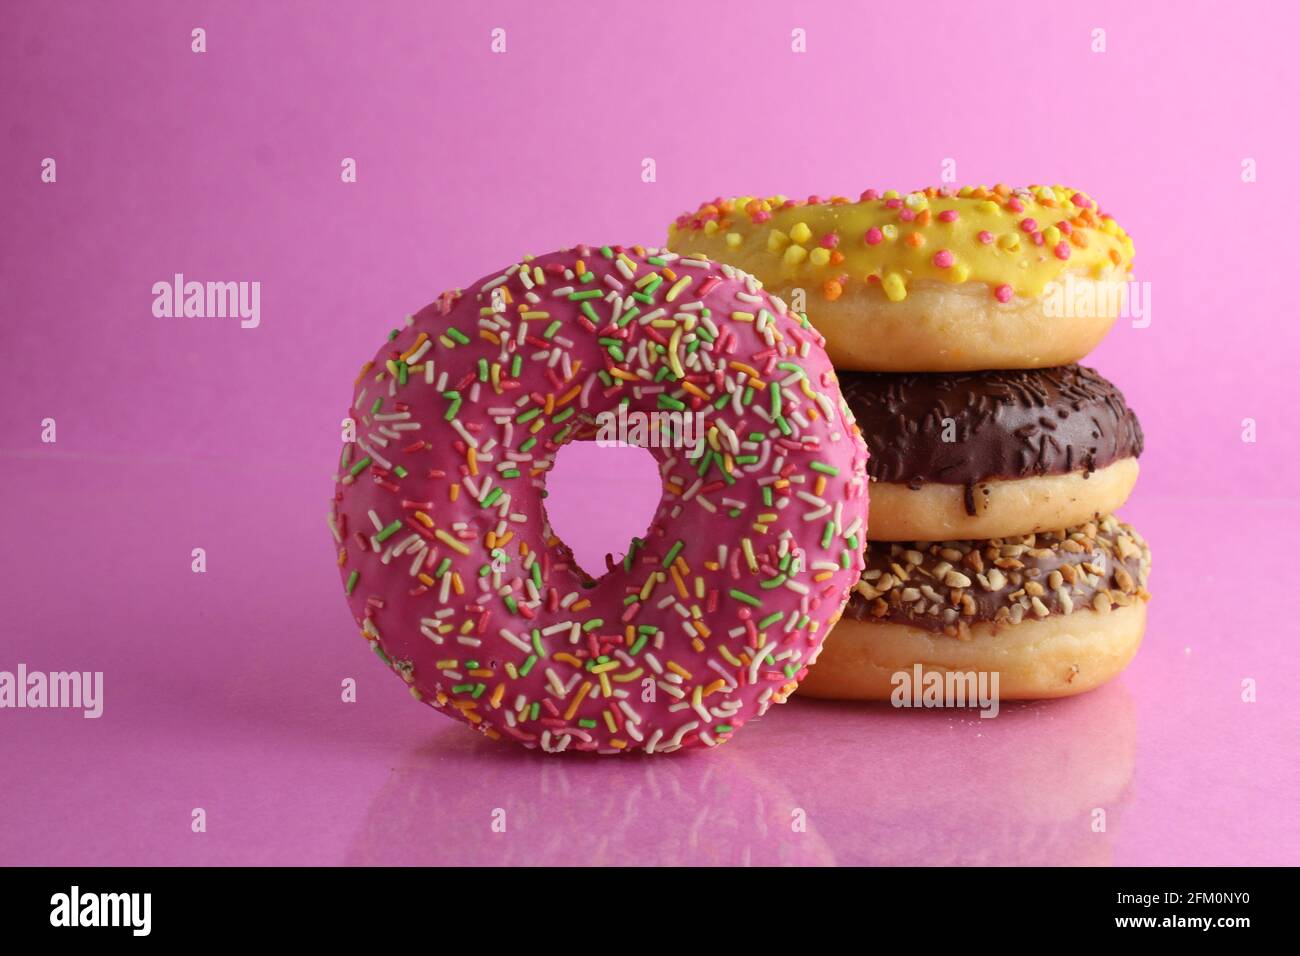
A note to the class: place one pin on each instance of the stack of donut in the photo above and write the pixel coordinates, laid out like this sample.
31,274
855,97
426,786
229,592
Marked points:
997,463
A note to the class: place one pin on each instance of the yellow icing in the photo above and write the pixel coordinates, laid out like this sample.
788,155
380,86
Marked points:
1014,240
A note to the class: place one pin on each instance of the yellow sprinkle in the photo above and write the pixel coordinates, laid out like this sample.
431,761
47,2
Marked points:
729,657
795,255
777,241
801,232
601,668
894,287
628,676
819,256
681,284
604,684
609,721
450,542
733,240
748,548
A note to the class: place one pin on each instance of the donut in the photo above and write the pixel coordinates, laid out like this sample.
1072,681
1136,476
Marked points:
932,281
451,568
1054,614
989,454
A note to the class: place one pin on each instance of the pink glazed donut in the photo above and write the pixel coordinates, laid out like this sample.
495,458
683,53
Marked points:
450,565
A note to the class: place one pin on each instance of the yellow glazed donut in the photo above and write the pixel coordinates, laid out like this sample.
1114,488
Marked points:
937,280
1051,614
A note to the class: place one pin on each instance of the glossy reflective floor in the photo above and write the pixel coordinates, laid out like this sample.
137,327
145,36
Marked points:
222,693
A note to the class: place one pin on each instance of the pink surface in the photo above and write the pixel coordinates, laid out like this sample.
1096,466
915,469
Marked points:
223,689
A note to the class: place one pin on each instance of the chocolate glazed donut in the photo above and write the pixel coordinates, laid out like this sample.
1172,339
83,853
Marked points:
985,454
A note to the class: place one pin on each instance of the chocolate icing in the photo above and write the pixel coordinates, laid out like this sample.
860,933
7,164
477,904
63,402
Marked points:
1006,424
947,586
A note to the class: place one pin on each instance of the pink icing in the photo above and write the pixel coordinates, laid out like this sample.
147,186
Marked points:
716,612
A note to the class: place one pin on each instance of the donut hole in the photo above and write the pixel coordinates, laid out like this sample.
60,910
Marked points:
599,497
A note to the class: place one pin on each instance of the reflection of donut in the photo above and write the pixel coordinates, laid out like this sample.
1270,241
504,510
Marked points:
986,454
1020,790
437,805
935,280
1053,614
447,557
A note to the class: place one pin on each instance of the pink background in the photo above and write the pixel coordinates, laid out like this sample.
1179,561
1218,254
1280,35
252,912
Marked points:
222,689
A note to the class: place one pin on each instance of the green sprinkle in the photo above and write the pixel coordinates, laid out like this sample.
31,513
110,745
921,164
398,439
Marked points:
534,710
380,651
552,329
667,401
525,668
563,416
400,472
461,688
526,445
607,252
771,619
586,722
528,416
510,604
591,625
443,567
359,466
775,391
824,468
723,728
454,408
640,643
537,643
512,472
770,583
673,552
482,370
745,598
352,583
828,533
389,531
478,690
379,403
516,364
588,294
492,497
456,335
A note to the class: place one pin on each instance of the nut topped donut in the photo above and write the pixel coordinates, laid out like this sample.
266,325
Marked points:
934,280
455,576
989,454
1051,614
